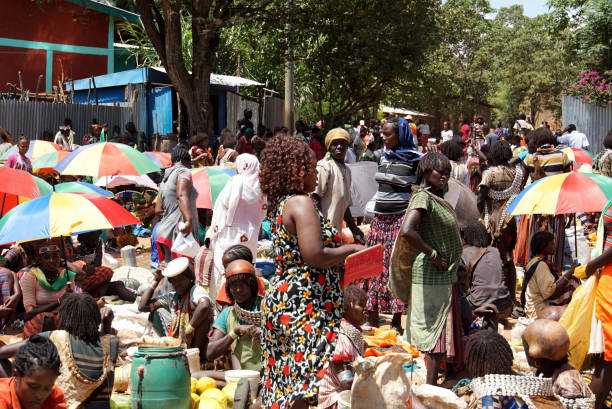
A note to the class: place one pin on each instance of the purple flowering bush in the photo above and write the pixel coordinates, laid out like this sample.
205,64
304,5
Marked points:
592,87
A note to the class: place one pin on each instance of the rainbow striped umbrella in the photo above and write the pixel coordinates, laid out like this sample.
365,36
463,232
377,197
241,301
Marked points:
209,181
81,187
37,149
45,163
106,159
572,192
161,159
62,214
578,155
18,186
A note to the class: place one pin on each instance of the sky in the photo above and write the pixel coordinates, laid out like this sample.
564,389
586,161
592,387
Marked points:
531,7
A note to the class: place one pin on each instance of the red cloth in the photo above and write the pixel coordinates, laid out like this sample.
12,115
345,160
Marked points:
9,399
223,298
244,146
466,130
317,148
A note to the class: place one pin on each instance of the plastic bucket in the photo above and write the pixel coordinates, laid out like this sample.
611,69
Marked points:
252,376
159,379
193,358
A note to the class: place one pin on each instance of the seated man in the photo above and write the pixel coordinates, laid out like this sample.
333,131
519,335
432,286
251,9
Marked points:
184,313
239,326
487,293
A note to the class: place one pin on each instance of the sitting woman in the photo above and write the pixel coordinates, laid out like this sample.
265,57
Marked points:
487,293
35,370
542,285
43,286
349,347
184,313
88,358
233,253
96,278
239,326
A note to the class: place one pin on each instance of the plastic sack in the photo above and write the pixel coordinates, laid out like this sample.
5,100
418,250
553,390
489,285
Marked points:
577,320
435,397
185,245
109,261
381,382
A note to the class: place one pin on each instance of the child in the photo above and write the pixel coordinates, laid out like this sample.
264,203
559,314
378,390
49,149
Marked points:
233,253
349,346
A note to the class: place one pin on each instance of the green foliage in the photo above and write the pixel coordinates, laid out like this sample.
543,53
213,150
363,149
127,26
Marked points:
590,22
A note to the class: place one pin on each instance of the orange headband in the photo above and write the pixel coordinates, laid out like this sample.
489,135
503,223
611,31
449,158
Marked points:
239,267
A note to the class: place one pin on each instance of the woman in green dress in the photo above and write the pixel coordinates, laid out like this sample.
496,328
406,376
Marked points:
424,267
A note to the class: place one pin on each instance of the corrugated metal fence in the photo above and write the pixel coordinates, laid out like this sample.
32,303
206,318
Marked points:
592,120
33,118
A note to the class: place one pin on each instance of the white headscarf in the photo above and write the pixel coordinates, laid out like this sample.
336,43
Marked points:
244,186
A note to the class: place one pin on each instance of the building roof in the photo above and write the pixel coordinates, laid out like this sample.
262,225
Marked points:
401,111
153,74
106,8
225,80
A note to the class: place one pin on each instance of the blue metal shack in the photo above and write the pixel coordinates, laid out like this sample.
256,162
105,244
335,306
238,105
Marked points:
155,103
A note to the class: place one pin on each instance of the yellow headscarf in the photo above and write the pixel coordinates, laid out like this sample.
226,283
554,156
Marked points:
335,134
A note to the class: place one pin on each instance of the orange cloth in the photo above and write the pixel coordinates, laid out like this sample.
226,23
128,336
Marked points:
386,339
223,298
603,308
9,399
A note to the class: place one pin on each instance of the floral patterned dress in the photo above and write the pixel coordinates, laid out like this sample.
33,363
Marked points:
302,315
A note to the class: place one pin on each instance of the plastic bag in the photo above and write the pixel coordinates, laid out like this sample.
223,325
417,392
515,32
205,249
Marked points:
185,245
577,320
381,383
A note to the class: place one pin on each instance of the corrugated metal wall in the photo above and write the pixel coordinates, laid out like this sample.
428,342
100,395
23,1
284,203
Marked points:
273,112
592,120
235,111
33,118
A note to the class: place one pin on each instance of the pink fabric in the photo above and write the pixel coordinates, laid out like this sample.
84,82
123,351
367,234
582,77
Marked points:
329,388
18,161
34,295
456,353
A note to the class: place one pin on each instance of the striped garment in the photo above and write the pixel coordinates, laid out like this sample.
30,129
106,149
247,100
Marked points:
608,227
395,179
89,359
552,161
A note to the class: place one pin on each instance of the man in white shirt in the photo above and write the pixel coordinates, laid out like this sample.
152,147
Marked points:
446,134
573,138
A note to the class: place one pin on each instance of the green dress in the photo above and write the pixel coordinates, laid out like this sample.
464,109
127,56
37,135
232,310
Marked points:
416,280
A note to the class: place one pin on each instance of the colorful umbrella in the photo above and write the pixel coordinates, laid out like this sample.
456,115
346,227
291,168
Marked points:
45,163
565,193
209,182
18,186
37,149
106,159
81,187
61,214
579,157
123,180
161,159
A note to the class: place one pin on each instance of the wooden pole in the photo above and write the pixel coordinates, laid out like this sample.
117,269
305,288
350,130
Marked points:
20,84
89,91
38,83
289,114
93,80
71,88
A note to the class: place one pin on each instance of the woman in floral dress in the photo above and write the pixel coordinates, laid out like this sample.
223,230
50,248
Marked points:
303,307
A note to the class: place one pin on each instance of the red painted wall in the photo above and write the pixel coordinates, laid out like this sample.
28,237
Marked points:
32,63
57,21
83,65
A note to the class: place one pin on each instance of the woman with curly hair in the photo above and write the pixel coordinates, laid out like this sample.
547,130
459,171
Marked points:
395,176
303,306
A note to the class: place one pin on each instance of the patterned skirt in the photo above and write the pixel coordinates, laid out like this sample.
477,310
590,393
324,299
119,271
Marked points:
100,276
384,230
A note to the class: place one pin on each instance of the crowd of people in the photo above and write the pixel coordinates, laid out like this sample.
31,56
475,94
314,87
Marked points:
445,286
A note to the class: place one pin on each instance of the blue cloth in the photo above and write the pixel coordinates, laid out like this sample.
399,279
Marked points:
221,321
141,231
154,253
499,402
266,230
406,151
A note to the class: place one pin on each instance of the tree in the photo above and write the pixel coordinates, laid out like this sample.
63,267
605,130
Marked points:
590,22
162,23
